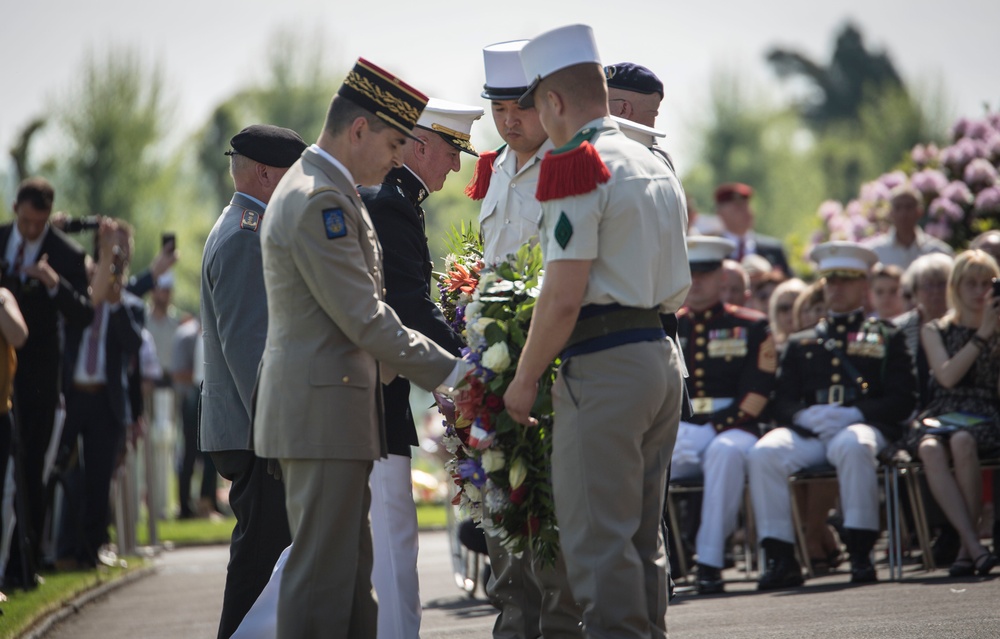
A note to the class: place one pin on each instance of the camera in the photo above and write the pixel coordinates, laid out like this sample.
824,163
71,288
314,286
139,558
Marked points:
81,224
996,288
169,242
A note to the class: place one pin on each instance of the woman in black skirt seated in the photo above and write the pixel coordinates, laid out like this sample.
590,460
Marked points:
962,420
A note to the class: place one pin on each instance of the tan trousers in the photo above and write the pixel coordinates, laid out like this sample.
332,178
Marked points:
326,590
617,413
535,601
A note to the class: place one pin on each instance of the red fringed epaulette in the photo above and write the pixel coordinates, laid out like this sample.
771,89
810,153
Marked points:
476,189
570,173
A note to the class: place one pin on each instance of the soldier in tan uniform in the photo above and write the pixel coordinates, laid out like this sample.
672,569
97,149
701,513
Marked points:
319,408
612,231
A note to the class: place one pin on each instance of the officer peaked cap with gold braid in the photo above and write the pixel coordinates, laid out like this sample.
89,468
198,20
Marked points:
390,99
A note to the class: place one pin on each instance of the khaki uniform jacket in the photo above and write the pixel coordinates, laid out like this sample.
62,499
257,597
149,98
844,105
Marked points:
319,391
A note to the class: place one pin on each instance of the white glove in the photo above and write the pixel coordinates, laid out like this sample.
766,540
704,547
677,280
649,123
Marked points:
685,452
830,419
844,416
809,418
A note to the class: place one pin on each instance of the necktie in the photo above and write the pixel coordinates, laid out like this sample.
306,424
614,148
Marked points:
19,259
94,340
741,250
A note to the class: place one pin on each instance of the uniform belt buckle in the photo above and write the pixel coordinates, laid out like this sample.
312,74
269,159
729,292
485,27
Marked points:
701,405
836,394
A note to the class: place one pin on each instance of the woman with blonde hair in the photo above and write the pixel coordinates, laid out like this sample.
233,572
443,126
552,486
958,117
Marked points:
962,350
781,309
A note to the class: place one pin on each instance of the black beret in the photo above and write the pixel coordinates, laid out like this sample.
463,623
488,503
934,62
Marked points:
267,144
632,77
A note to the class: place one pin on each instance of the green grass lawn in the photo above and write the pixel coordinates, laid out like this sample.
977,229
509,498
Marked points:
23,609
192,532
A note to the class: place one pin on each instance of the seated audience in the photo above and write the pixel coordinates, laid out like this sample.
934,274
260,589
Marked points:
885,297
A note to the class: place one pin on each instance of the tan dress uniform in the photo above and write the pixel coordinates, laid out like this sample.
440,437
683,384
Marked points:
509,214
319,408
617,409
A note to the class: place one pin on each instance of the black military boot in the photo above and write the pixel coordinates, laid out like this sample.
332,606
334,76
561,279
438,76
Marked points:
783,570
708,580
859,545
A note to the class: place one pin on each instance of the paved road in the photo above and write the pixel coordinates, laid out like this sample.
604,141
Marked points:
183,599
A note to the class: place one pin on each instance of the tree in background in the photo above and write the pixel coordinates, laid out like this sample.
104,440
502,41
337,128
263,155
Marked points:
863,115
295,93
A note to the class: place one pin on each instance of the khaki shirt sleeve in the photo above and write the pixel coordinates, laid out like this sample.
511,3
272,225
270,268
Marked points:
570,227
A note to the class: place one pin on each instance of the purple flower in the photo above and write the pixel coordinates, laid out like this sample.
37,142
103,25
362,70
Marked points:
892,180
956,156
919,155
854,209
958,192
940,230
978,129
959,128
988,200
942,209
929,182
979,174
829,209
992,146
470,470
874,192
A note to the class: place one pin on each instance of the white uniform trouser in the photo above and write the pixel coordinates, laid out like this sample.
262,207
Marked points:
724,467
394,536
782,452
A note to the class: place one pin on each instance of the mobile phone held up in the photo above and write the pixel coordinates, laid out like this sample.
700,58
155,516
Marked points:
169,242
996,288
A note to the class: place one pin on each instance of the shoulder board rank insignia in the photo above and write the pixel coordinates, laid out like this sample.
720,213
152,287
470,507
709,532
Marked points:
575,168
333,223
480,183
250,220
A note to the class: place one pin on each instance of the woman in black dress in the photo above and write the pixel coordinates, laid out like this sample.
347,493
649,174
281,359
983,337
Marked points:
963,351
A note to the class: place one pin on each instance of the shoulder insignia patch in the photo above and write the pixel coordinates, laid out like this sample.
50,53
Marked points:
333,222
250,220
563,230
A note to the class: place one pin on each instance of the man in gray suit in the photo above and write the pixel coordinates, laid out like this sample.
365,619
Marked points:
319,409
234,310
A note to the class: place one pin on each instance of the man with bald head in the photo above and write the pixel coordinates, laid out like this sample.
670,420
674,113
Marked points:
634,92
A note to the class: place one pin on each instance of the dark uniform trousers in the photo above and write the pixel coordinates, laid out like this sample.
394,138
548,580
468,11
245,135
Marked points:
261,532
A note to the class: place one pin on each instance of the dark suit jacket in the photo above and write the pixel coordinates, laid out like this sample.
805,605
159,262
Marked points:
395,211
771,248
124,337
39,359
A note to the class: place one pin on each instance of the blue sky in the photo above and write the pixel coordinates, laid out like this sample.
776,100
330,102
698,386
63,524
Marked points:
210,48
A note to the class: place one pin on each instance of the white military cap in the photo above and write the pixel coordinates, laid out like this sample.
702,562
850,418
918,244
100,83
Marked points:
641,133
505,79
452,121
845,259
706,252
555,50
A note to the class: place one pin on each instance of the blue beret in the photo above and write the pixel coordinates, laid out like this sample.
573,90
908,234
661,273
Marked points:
632,77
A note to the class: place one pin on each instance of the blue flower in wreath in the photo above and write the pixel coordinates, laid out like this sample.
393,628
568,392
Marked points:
470,470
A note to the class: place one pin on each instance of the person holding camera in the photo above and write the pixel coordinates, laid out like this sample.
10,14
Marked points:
962,349
45,272
95,370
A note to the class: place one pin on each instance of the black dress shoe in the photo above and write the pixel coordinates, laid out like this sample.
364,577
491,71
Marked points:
708,580
862,571
783,572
